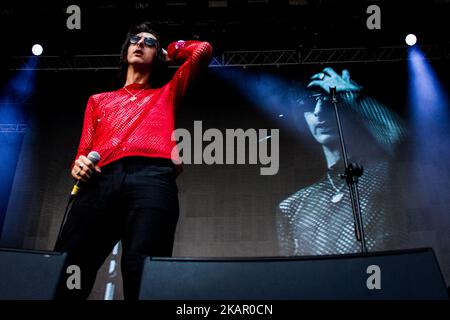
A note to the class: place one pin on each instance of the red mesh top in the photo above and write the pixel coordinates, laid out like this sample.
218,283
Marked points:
116,125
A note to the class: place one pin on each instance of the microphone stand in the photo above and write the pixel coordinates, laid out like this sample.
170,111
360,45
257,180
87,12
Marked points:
69,202
351,175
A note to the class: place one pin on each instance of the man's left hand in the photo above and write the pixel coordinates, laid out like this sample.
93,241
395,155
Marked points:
330,78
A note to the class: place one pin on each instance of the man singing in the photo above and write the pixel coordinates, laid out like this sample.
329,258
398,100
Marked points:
131,194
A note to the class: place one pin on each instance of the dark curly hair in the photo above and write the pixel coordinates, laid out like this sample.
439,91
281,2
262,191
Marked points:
159,67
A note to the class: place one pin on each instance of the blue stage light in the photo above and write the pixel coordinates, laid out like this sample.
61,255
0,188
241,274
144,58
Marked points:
411,39
37,49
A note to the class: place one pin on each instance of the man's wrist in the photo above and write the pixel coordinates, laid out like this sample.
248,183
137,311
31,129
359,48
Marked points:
351,95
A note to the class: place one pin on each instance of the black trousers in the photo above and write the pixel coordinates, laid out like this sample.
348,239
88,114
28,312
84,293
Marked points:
134,200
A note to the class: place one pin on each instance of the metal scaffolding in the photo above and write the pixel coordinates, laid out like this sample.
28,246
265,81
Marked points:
245,58
13,127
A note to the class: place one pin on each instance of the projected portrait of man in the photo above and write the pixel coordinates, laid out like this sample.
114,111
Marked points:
318,218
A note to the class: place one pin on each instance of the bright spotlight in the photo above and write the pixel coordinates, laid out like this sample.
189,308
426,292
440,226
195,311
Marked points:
37,49
411,39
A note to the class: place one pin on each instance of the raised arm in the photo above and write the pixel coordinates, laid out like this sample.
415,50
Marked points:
193,55
383,124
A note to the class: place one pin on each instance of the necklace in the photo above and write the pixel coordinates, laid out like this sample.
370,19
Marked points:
134,96
339,194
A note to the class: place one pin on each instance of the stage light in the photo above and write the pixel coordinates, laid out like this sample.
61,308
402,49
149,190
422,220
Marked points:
14,114
266,92
411,39
430,118
428,98
37,49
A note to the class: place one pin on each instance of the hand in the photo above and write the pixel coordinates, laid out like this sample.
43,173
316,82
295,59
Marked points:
329,78
83,169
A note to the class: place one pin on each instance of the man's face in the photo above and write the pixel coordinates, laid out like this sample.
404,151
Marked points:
140,53
320,120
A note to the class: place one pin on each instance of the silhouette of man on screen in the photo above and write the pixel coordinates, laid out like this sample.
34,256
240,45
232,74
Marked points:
318,219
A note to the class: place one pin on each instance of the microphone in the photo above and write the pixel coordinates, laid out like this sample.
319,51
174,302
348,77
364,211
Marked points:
333,94
94,157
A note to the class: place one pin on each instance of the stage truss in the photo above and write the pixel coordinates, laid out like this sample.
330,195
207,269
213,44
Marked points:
244,58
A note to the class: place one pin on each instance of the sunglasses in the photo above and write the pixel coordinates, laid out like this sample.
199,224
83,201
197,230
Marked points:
149,42
314,98
308,102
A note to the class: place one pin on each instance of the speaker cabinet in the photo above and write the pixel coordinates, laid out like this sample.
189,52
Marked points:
406,274
29,275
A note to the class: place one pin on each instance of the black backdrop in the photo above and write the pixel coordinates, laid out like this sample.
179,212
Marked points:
226,210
